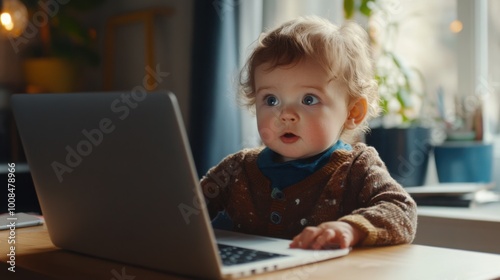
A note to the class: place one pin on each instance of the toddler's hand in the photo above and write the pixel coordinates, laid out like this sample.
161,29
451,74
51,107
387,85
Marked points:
327,235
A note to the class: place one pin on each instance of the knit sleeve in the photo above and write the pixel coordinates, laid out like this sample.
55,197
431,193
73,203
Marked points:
215,184
381,208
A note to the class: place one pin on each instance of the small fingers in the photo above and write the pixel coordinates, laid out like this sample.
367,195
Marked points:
326,236
324,239
343,238
306,238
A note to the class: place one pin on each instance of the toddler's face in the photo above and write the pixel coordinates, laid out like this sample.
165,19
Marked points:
300,111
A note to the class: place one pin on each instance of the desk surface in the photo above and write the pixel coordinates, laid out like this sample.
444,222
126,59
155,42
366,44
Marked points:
37,258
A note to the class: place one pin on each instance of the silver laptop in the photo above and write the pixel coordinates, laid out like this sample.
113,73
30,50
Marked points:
115,179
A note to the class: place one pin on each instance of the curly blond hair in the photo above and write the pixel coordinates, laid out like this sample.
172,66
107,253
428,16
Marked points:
343,52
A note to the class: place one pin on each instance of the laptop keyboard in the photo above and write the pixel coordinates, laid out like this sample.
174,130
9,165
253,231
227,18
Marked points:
232,255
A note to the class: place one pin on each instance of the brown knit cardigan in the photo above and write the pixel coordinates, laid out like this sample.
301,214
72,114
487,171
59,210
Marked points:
354,187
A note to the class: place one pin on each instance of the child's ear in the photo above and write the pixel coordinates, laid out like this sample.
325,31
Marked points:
357,113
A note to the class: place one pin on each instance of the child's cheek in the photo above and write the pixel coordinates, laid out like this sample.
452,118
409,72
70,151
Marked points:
264,129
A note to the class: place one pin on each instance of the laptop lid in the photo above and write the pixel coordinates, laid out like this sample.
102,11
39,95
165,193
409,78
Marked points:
111,171
115,179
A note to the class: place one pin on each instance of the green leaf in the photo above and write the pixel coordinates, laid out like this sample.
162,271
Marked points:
384,106
73,30
404,99
349,9
365,8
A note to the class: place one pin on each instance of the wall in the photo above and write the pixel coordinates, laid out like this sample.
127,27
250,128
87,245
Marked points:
173,36
10,66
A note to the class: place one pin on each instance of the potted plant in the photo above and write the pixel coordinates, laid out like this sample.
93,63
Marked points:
399,134
59,44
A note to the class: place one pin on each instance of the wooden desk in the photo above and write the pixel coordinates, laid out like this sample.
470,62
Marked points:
37,258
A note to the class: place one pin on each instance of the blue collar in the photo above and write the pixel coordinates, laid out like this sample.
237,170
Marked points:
284,174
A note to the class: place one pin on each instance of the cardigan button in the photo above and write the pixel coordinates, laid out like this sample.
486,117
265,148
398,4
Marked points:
277,194
275,217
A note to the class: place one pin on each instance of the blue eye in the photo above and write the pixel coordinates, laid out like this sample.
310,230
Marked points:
271,100
310,100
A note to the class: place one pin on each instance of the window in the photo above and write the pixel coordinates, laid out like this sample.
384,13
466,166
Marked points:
494,59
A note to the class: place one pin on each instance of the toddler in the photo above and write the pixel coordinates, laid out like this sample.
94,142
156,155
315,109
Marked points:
311,85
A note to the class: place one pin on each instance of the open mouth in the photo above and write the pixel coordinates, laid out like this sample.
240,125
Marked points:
289,137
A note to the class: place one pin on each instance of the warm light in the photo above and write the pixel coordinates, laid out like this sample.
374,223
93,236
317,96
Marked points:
6,21
456,26
14,18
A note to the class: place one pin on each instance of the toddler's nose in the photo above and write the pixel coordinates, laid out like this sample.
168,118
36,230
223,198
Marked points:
289,115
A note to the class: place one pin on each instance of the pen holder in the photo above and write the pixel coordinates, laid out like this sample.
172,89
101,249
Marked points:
464,161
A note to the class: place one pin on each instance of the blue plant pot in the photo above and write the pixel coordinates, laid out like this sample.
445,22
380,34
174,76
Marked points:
405,152
464,161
